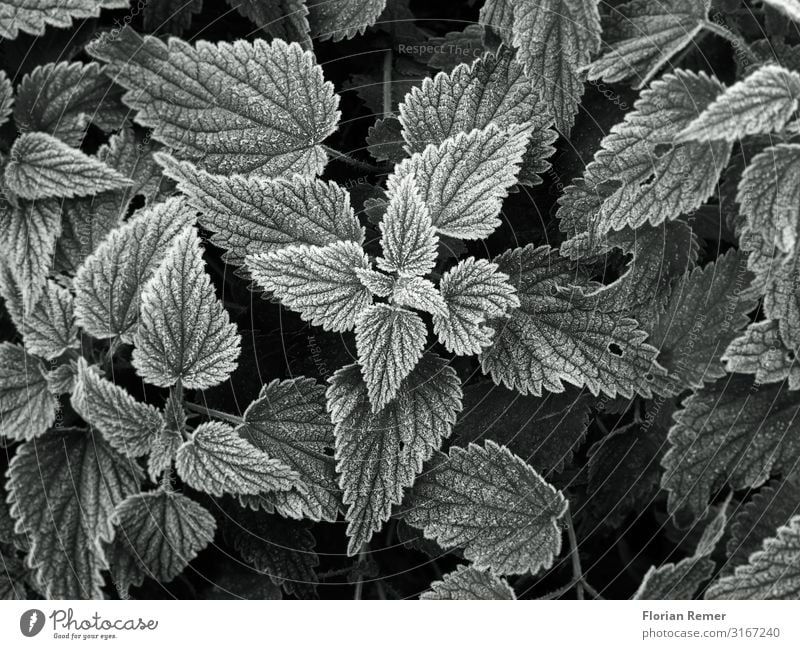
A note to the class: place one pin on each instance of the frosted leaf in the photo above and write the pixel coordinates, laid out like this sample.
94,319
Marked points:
241,107
289,422
286,19
216,460
498,16
474,292
732,431
561,335
378,455
763,102
419,293
109,284
162,531
646,36
319,282
63,489
390,340
760,351
772,573
408,240
464,180
170,16
62,99
489,502
6,97
31,16
129,426
467,582
492,90
27,409
376,282
184,333
42,166
343,19
254,214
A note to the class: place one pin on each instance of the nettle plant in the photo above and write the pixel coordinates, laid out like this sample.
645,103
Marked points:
480,361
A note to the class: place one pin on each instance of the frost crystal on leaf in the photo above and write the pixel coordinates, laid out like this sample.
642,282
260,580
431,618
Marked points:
27,408
467,582
31,16
343,19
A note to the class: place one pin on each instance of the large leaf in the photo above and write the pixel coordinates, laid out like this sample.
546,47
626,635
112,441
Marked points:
217,460
63,491
379,454
185,334
464,180
251,214
42,166
342,19
31,16
772,573
242,107
560,335
733,431
320,282
492,504
760,351
467,582
289,421
27,409
109,284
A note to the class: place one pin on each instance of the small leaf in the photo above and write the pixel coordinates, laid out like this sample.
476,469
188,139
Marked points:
63,489
474,292
251,214
42,166
379,454
108,285
319,282
772,573
129,426
490,502
464,180
761,352
376,282
163,450
408,239
6,97
163,531
467,582
390,340
27,409
286,19
761,103
343,19
418,293
216,460
241,107
185,334
31,16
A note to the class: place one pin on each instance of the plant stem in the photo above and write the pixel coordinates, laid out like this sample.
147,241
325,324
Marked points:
732,37
560,592
217,414
577,571
360,164
387,83
362,556
591,590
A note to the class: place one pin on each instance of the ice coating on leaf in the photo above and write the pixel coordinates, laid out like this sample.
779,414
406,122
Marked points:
494,505
418,293
285,19
474,292
772,573
492,90
376,282
561,335
467,582
390,340
763,102
760,351
464,180
319,282
289,422
343,19
129,426
62,99
555,39
733,431
162,531
408,239
6,97
216,460
27,408
109,283
32,16
184,332
241,107
42,166
646,36
378,455
253,214
63,489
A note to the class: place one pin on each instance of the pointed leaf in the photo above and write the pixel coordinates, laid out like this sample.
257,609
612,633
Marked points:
286,19
185,334
761,352
27,409
467,582
343,19
6,97
418,293
490,502
376,282
31,16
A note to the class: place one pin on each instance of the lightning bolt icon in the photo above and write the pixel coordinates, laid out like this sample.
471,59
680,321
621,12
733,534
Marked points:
32,621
